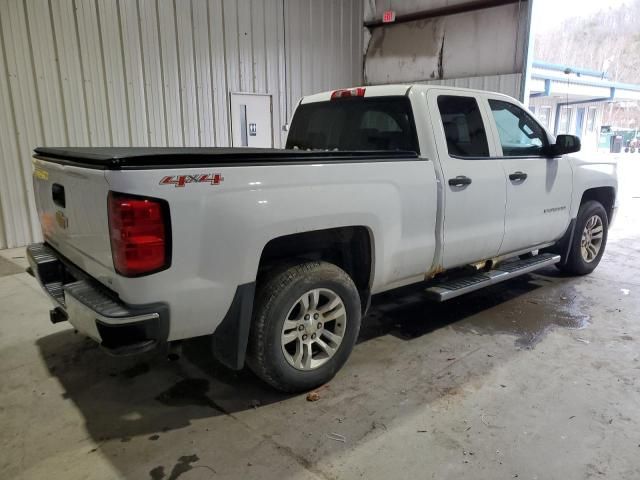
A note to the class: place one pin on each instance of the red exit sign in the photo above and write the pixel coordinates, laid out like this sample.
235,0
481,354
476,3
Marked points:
389,16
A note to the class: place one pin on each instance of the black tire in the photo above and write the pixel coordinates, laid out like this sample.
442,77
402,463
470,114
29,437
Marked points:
576,264
276,296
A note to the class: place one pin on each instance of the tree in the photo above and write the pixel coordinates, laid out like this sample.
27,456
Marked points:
607,41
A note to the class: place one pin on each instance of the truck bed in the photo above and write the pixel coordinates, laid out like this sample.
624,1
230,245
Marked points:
140,158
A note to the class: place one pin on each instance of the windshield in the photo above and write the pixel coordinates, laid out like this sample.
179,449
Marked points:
376,123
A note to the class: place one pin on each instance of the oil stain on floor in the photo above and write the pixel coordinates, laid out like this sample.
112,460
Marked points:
189,391
183,465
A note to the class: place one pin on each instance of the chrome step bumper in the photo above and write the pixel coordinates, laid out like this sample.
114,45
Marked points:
445,290
93,309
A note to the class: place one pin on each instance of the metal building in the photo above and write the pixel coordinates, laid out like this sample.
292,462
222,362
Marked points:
569,99
157,73
481,44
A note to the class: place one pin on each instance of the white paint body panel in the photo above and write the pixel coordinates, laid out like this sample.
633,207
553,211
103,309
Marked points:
219,232
85,240
417,224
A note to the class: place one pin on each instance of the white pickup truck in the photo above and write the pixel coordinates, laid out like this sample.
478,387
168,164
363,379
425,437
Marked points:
276,253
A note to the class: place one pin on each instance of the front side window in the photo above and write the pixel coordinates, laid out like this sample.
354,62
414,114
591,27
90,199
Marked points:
463,127
520,135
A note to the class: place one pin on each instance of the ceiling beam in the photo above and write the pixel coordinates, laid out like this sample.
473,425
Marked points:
469,6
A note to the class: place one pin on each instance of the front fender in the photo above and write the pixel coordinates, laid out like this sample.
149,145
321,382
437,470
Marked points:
589,173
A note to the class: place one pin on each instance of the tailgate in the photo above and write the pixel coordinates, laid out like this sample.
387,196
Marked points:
72,208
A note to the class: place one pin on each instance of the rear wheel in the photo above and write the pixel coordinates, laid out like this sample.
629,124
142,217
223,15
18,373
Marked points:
306,322
589,239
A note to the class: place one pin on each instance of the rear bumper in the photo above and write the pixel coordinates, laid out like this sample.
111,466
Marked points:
94,310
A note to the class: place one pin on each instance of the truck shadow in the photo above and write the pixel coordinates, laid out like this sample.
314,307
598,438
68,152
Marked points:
122,398
399,313
147,394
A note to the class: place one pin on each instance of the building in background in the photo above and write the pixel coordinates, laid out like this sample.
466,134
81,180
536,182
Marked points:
147,73
480,44
577,101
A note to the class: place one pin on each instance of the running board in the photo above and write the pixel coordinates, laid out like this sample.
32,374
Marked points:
448,289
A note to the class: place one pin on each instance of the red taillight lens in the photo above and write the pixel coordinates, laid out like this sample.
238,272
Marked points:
140,235
348,92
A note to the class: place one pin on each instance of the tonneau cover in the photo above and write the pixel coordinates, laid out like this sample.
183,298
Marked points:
115,158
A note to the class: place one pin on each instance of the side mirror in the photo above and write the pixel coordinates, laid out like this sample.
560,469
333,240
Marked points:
564,144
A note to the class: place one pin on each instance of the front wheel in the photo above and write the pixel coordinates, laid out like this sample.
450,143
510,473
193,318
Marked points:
306,322
589,239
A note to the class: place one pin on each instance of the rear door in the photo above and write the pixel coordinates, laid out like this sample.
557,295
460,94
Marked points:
538,188
474,183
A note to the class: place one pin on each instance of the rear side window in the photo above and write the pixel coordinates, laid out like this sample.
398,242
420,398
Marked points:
463,127
375,123
520,135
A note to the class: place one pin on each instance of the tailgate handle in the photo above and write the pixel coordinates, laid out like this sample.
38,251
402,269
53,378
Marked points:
57,193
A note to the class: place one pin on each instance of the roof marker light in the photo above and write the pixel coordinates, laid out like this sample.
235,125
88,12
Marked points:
348,92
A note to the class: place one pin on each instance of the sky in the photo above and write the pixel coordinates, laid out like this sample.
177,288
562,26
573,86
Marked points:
550,13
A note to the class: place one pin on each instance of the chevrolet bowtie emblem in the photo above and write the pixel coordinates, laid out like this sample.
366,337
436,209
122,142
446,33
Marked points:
62,220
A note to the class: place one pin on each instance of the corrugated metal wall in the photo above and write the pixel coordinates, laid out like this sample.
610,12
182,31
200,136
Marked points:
483,48
154,72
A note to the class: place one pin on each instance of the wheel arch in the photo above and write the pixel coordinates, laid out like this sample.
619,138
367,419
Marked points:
606,196
349,247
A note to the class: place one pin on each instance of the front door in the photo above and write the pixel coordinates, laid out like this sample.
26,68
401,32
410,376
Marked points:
538,188
474,183
251,120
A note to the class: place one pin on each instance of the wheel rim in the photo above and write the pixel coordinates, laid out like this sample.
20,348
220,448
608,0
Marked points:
592,236
313,329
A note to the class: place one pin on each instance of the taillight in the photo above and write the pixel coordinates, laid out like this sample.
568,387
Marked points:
348,92
140,234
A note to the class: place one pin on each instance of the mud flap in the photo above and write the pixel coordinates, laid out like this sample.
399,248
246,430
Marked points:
563,246
229,341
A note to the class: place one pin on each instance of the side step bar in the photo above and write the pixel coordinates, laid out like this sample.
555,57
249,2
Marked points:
445,290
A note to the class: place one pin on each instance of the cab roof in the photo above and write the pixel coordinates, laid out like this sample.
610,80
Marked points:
388,90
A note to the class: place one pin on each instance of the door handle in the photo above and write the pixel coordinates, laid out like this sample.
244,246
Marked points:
460,181
518,176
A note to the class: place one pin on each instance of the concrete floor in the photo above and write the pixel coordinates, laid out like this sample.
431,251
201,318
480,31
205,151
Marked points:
537,378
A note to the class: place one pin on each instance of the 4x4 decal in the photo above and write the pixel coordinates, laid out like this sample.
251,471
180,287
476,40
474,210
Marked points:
182,180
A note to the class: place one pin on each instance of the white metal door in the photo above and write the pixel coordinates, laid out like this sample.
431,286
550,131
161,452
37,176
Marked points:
251,120
474,183
539,188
